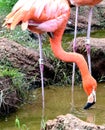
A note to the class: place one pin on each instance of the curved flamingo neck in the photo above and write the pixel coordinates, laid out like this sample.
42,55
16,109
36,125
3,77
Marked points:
68,56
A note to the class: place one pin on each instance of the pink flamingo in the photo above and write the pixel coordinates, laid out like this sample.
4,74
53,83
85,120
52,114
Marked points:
78,3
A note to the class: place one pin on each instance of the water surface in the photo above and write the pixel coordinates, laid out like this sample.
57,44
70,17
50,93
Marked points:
58,100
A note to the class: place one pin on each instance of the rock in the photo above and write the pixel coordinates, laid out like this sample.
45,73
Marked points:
70,122
97,55
25,59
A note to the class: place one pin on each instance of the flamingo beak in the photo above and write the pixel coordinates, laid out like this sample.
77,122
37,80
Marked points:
91,100
88,105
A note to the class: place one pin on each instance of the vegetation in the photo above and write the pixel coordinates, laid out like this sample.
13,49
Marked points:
6,5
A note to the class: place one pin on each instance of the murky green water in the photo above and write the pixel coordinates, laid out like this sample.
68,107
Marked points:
58,101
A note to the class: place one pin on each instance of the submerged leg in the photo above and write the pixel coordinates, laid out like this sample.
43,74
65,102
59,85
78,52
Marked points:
74,47
41,65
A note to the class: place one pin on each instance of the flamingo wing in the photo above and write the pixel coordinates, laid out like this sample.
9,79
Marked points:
38,15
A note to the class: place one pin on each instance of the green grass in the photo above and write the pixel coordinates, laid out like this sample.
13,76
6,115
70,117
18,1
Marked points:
18,79
6,5
98,34
19,36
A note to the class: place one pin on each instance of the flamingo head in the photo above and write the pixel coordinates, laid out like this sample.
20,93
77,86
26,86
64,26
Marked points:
89,84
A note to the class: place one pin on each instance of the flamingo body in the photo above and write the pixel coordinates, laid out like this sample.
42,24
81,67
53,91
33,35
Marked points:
85,2
78,3
41,16
37,13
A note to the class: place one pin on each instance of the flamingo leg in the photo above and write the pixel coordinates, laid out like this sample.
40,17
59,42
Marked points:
41,65
74,47
88,38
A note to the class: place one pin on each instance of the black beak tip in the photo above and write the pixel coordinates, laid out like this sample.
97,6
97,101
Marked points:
88,105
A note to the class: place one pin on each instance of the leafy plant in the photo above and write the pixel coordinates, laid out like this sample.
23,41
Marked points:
43,124
19,126
102,79
18,79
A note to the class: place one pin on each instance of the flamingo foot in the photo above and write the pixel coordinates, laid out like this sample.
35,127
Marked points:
91,100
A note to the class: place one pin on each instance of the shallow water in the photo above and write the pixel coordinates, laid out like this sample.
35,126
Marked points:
58,100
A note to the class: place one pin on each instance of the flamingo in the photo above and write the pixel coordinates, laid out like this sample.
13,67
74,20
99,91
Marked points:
51,16
91,4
